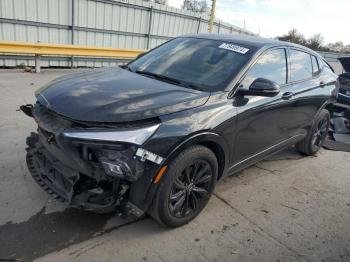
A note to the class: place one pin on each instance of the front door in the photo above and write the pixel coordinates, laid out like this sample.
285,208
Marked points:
263,122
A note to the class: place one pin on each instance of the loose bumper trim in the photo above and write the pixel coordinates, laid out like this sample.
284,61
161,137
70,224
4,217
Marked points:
61,181
47,174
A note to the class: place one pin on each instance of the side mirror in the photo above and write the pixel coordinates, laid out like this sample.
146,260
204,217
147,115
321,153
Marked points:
261,87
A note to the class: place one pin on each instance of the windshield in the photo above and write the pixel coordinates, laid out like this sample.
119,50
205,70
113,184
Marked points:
202,64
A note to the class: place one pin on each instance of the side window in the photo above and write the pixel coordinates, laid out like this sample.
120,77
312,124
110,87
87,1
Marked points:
326,65
270,65
300,65
320,63
315,67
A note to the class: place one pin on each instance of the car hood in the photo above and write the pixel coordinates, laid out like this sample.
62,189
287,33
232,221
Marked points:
116,95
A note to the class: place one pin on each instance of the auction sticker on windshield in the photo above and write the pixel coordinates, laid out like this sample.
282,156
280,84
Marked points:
234,48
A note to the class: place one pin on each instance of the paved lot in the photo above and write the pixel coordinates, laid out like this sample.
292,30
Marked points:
288,208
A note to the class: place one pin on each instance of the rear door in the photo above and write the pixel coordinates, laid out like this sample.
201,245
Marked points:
305,87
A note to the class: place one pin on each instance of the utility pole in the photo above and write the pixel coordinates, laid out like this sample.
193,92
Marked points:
212,16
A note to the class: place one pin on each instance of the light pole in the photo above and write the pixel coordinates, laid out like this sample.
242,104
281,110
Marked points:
212,16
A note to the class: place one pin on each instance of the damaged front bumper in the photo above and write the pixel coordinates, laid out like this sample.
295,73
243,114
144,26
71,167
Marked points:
94,169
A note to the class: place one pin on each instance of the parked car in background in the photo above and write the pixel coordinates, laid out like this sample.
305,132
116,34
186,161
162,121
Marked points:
343,98
157,134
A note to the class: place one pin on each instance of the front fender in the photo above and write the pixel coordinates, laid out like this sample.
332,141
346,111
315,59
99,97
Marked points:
206,138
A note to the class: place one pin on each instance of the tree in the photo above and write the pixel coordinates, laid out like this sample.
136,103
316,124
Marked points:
293,36
338,46
198,6
315,42
347,48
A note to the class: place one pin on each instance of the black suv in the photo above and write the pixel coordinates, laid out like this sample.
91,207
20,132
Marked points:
156,135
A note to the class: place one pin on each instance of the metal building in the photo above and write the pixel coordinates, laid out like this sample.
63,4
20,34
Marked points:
103,23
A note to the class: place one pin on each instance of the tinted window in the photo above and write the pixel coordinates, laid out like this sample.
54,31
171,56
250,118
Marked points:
270,65
326,65
200,63
320,63
301,67
315,68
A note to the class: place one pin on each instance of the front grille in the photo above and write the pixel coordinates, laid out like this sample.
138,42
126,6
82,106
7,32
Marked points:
50,128
52,175
66,183
50,121
49,136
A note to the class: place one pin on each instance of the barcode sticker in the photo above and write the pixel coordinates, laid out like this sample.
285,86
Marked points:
234,48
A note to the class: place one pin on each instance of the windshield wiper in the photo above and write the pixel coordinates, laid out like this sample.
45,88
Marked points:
168,79
126,67
160,77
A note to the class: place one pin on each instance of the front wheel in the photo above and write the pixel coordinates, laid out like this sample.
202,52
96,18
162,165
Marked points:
316,135
186,187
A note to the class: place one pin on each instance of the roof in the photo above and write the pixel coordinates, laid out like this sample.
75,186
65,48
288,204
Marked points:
255,41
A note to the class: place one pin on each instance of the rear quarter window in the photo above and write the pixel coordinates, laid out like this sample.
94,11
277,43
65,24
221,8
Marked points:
300,65
327,66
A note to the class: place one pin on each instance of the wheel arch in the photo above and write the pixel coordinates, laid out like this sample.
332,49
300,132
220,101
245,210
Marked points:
211,140
328,105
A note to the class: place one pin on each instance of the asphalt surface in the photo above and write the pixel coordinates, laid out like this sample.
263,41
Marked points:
287,208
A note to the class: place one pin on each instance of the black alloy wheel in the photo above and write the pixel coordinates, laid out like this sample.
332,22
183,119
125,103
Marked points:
316,135
190,189
186,187
320,133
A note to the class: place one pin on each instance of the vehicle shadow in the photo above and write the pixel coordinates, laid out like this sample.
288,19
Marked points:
44,232
289,153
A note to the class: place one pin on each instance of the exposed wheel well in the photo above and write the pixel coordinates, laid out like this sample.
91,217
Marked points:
329,107
219,153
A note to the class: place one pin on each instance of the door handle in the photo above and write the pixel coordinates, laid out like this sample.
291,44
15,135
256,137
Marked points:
322,84
287,95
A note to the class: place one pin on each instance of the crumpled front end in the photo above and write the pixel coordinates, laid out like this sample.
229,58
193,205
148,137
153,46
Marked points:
88,166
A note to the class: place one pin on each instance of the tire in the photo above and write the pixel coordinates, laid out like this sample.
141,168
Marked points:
176,187
316,135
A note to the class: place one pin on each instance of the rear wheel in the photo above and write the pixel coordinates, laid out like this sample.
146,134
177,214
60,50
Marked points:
186,187
316,135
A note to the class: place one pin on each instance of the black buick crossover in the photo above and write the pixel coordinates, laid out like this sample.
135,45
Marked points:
154,136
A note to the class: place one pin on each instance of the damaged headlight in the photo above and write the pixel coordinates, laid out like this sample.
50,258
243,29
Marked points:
119,169
120,164
114,150
133,136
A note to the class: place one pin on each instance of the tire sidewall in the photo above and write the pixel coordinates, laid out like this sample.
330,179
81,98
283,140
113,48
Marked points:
174,170
324,114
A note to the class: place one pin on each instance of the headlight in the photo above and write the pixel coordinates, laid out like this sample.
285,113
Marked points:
118,158
118,168
134,136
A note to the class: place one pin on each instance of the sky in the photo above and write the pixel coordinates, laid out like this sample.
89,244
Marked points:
330,18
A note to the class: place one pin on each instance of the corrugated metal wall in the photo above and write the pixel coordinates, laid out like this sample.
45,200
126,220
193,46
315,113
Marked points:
105,23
